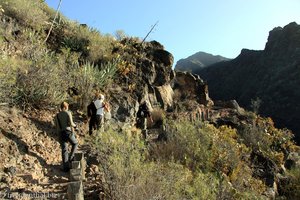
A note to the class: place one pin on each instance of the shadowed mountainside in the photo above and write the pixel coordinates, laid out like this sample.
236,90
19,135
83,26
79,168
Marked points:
270,76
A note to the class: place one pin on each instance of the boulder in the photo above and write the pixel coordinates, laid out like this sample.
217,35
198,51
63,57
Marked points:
192,87
164,96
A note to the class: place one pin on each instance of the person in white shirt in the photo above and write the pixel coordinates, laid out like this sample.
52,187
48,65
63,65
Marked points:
100,110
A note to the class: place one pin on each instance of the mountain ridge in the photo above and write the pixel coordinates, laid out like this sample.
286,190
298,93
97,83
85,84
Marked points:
198,60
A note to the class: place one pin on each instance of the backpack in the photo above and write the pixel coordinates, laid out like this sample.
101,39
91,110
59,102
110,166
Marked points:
106,107
65,134
91,109
140,113
143,111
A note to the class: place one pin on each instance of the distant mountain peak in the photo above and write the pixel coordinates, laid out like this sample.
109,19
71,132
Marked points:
198,60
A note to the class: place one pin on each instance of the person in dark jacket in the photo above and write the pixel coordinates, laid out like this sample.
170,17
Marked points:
65,128
142,117
95,111
91,112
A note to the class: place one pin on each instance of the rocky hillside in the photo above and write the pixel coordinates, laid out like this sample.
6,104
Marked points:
198,61
195,147
267,77
31,164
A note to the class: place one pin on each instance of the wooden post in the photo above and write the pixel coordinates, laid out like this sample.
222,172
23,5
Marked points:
76,165
75,174
75,191
80,157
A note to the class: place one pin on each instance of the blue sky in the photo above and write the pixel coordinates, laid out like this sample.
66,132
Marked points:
219,27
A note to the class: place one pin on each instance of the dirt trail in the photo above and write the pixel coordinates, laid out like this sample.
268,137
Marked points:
31,157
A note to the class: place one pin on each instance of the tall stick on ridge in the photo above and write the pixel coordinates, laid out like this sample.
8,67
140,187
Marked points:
149,32
56,14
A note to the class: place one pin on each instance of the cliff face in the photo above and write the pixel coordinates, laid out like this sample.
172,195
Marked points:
268,76
284,41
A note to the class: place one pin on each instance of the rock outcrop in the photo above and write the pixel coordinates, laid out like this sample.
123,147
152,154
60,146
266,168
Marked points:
149,77
192,87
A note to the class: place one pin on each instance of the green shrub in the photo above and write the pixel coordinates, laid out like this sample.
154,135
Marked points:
41,83
92,45
201,147
291,187
8,70
120,35
202,186
205,148
129,175
88,77
68,59
264,138
187,144
100,46
75,39
131,171
27,12
255,138
226,151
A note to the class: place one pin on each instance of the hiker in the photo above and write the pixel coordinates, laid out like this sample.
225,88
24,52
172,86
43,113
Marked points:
96,112
65,128
91,113
142,117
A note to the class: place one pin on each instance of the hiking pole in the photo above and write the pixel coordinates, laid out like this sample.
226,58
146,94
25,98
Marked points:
149,32
53,21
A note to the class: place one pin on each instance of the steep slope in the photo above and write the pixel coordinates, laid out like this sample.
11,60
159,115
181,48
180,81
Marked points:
270,76
198,61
